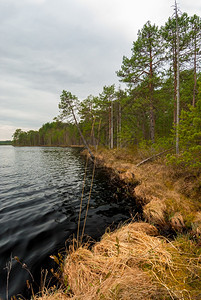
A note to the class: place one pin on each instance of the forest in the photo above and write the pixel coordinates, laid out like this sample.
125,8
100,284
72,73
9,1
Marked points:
159,106
5,142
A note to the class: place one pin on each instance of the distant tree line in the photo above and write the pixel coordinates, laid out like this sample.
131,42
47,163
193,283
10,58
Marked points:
145,111
5,142
50,134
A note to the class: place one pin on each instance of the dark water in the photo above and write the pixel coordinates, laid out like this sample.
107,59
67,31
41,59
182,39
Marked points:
40,191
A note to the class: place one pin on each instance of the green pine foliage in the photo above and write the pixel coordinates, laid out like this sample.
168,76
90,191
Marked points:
190,139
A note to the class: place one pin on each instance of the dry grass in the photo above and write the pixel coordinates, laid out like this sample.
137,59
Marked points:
132,264
170,197
52,295
111,270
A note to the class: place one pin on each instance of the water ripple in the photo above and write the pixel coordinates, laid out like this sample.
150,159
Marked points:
40,191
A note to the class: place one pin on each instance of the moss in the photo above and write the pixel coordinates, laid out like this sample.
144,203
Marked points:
189,219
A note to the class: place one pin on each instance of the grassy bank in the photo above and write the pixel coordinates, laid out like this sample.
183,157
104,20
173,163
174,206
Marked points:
135,261
170,197
132,263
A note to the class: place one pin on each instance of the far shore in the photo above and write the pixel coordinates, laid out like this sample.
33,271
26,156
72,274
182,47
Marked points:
5,143
61,146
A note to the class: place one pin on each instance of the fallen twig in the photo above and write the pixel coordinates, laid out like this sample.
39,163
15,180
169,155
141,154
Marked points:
153,156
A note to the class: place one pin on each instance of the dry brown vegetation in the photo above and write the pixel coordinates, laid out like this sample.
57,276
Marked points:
171,198
134,262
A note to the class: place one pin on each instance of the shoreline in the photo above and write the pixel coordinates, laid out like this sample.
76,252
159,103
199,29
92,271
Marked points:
53,146
169,199
135,261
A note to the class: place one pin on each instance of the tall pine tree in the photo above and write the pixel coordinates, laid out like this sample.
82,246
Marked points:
143,68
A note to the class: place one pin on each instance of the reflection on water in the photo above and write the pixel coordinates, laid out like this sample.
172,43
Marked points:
40,191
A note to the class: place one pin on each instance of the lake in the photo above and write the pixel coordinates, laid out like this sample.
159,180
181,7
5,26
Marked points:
40,192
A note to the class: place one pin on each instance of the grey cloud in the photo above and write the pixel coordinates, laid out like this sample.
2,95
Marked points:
37,46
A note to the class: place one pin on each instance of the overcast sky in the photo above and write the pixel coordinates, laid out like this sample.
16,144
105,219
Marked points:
77,45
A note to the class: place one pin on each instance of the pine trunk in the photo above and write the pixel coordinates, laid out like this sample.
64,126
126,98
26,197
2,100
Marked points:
109,144
151,90
175,87
112,128
195,74
178,82
119,126
152,123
